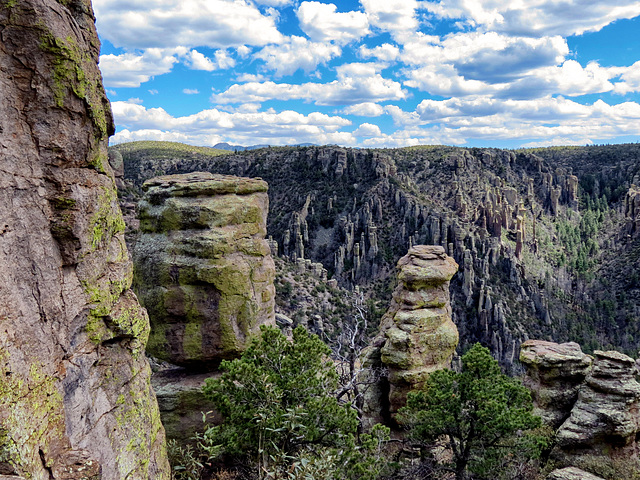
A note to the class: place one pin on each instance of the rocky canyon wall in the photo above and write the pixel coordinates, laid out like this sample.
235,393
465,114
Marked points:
75,394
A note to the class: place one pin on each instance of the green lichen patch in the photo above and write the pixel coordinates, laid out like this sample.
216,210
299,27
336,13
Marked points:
74,71
34,418
107,221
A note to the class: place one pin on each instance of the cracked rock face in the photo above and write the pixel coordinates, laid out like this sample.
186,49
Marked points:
555,373
419,335
606,412
75,395
203,267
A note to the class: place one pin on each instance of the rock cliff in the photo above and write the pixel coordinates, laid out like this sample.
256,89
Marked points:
75,394
203,267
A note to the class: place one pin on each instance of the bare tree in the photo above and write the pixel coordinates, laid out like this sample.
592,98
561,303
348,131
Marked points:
347,351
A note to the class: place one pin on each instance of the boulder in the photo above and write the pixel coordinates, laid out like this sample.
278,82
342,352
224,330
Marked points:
554,374
571,473
75,394
203,267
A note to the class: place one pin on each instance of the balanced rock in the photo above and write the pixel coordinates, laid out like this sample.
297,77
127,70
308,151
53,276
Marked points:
554,375
418,333
75,398
203,267
606,412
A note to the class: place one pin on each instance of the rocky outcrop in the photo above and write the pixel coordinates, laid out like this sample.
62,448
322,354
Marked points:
571,473
593,402
75,397
555,373
605,415
417,335
203,267
632,211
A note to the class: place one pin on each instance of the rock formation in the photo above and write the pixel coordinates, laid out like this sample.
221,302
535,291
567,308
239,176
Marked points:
572,473
417,335
605,415
555,373
593,403
203,267
75,397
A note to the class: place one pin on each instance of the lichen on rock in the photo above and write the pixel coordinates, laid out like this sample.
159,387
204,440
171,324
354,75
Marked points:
75,395
417,335
203,267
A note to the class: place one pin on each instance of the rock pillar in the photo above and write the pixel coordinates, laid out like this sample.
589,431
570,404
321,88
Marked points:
203,267
418,333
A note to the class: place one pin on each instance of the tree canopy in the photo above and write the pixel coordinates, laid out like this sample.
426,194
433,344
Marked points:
277,402
479,411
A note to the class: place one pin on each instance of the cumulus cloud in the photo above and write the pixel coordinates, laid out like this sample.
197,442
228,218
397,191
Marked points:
385,52
548,117
366,109
356,83
141,24
398,17
537,17
190,91
367,130
630,78
130,69
210,126
297,53
322,23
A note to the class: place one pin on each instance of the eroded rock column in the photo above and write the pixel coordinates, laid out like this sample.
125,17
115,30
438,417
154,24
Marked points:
417,332
204,270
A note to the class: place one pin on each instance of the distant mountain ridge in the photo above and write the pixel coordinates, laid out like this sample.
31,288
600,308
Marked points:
240,148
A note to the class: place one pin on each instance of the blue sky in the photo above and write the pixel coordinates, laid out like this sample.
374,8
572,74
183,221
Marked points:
373,73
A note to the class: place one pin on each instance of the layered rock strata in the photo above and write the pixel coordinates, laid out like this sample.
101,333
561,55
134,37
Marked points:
75,394
555,373
605,414
203,267
417,335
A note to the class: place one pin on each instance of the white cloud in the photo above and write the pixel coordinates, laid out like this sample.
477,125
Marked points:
274,3
356,83
322,23
140,24
130,69
197,61
398,17
367,130
366,109
154,91
297,53
385,52
190,91
208,127
630,78
136,100
537,17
